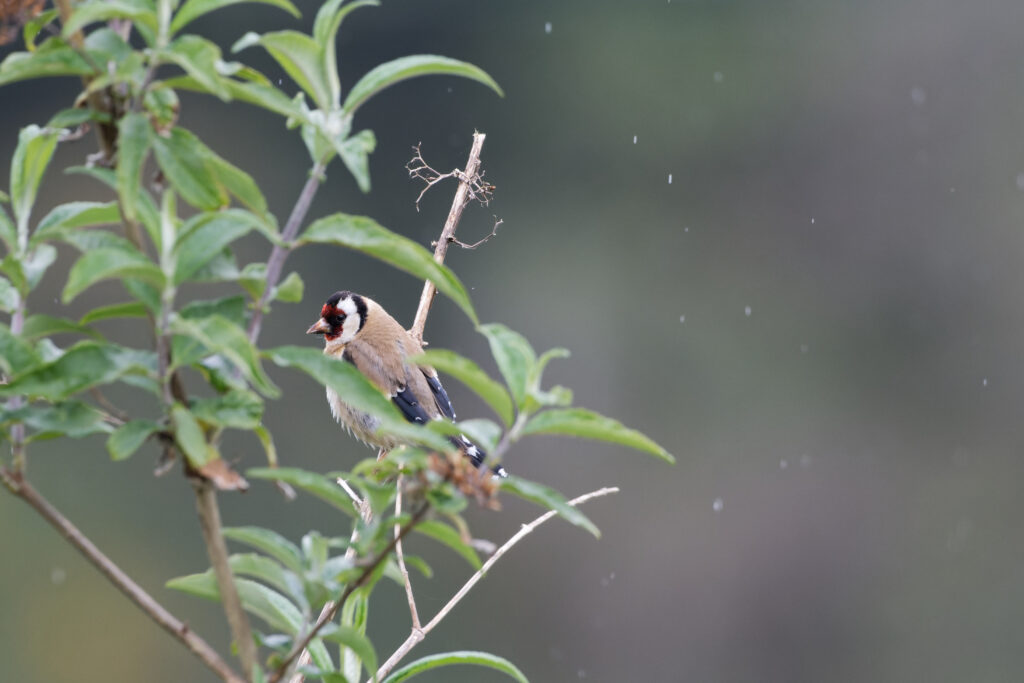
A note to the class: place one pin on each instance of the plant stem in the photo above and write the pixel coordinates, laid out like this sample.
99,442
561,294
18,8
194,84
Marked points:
18,429
174,626
418,634
280,251
462,198
209,521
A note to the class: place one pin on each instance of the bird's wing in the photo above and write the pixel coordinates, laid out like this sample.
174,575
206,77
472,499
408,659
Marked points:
444,404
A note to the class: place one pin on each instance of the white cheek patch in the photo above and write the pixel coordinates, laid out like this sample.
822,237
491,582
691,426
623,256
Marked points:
350,327
348,306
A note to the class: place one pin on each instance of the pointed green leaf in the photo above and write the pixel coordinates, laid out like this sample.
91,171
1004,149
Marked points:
138,11
186,163
104,264
258,94
589,425
316,484
240,184
31,157
9,296
260,567
290,291
269,542
205,235
144,203
84,365
237,409
546,496
74,215
325,34
351,638
189,436
129,437
470,374
451,658
442,533
8,233
355,154
220,335
392,72
514,356
198,57
366,235
193,9
41,325
130,309
36,24
259,600
35,264
355,390
132,147
300,57
16,354
53,58
74,419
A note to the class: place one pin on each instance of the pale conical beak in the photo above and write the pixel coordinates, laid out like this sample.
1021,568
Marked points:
319,327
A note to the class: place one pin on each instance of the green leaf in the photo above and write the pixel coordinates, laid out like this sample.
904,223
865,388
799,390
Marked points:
31,157
143,202
589,425
257,599
514,356
129,437
355,390
74,419
451,658
104,264
193,9
241,185
133,144
300,57
269,542
260,567
130,309
355,153
358,643
84,365
316,484
8,233
41,325
290,291
220,335
470,374
189,436
325,34
203,237
36,24
9,296
389,73
546,496
74,215
138,11
16,354
69,118
198,57
237,409
187,165
442,533
258,94
53,58
35,264
366,235
230,307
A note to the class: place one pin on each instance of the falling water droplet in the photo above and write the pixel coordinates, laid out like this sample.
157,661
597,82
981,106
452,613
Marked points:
984,382
918,95
682,318
804,348
812,220
747,311
719,77
783,464
1020,181
58,576
669,178
547,27
718,504
634,142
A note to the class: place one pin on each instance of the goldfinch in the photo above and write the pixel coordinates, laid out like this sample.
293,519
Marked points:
358,330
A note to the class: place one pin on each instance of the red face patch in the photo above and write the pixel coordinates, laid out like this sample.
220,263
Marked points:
325,311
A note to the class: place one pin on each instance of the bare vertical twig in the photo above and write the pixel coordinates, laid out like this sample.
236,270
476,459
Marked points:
401,559
418,634
154,610
209,522
462,197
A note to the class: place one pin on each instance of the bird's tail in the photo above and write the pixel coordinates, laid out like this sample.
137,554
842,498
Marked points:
476,454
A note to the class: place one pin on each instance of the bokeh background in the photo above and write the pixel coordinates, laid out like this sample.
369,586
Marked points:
784,239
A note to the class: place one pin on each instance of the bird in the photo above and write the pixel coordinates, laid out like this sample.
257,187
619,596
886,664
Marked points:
357,330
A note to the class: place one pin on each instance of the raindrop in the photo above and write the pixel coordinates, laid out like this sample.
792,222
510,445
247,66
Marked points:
804,348
718,505
812,221
984,382
805,460
581,673
719,77
279,81
669,178
58,576
686,229
747,311
547,27
783,464
682,318
918,95
1020,181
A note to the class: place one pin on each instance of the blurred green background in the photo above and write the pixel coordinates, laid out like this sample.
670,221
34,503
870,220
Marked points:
783,239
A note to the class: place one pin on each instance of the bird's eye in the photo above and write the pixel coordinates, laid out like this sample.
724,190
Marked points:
337,319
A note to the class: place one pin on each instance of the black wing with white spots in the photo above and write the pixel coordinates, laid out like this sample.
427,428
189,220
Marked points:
410,407
444,404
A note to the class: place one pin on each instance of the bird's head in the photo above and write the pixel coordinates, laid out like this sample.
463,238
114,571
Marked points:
341,318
